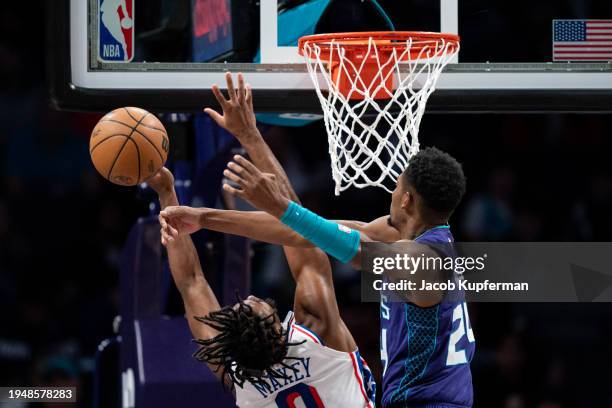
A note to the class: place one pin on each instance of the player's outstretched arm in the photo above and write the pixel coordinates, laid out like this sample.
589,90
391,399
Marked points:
258,225
315,300
198,297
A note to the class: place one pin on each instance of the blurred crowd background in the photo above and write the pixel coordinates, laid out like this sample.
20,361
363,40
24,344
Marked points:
62,227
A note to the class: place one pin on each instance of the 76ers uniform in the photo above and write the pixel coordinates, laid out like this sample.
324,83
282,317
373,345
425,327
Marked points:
426,352
323,378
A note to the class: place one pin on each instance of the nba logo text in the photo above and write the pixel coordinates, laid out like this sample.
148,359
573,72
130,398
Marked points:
116,33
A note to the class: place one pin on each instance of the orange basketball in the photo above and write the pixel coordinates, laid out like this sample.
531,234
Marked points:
128,145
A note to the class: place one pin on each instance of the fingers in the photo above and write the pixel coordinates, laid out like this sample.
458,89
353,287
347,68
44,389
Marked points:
238,175
215,116
240,171
172,211
247,165
234,177
219,96
230,86
271,176
168,212
165,237
234,191
166,226
249,97
169,233
172,231
162,221
241,89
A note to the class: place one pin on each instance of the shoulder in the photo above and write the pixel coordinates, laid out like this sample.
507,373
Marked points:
381,230
300,332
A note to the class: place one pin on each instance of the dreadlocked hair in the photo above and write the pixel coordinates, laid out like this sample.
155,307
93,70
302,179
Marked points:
247,347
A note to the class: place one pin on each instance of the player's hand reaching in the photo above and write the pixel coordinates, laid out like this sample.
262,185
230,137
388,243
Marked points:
178,221
238,115
260,189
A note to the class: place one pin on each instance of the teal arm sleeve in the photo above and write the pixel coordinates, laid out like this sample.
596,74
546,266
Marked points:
337,240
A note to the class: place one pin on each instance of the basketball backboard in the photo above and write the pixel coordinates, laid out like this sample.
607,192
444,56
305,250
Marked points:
170,52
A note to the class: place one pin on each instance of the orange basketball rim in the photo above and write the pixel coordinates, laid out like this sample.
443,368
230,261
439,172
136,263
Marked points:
361,64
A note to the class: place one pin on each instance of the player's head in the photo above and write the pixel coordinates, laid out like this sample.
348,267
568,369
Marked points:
431,187
250,342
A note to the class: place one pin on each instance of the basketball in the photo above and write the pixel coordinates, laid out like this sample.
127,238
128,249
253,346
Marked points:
128,145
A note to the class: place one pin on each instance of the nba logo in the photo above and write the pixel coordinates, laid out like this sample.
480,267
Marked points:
116,33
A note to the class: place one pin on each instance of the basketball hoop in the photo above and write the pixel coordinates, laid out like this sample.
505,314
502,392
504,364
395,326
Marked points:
386,76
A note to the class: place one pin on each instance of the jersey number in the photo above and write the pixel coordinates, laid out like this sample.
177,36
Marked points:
457,356
385,312
309,396
384,358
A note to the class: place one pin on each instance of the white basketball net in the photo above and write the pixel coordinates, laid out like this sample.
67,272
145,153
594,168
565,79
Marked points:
374,149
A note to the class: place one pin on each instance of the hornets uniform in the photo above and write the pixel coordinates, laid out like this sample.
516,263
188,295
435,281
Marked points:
426,352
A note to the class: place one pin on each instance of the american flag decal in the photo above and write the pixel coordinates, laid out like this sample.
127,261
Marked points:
582,40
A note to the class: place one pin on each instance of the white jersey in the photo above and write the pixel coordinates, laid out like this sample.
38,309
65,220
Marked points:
323,378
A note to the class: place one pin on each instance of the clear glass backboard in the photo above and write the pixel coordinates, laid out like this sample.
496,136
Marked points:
165,54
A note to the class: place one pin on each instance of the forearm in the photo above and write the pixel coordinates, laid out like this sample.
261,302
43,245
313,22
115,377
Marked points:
184,263
337,240
256,225
182,255
167,198
263,157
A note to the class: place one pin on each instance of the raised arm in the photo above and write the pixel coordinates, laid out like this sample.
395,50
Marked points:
315,301
198,298
239,119
315,304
